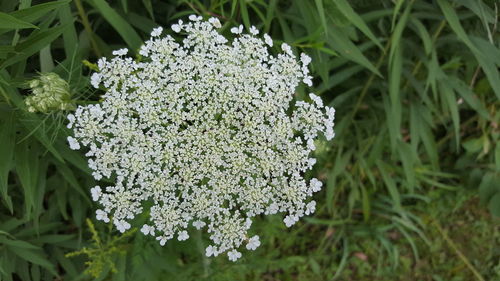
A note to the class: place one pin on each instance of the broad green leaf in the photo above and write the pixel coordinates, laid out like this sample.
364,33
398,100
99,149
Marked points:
121,26
356,20
35,12
34,44
10,22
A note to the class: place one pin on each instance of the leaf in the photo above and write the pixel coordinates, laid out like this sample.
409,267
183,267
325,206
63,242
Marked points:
34,43
269,15
497,156
488,187
34,257
407,158
451,102
494,205
423,33
356,20
398,32
390,184
71,179
466,93
244,13
7,141
10,22
338,41
321,12
487,65
149,7
35,12
70,37
18,244
26,160
123,28
394,114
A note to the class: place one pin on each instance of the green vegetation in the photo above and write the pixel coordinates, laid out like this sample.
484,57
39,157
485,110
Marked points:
412,178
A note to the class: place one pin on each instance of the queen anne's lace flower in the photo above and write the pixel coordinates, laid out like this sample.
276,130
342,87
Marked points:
207,131
49,93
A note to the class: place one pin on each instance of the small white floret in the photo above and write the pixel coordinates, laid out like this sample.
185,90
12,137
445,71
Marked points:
148,230
96,192
233,255
315,185
253,243
237,30
73,143
157,31
120,52
215,22
268,40
95,80
183,235
254,30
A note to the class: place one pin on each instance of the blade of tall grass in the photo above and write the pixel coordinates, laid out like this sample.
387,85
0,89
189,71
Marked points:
121,26
356,20
7,139
487,65
34,43
27,166
33,13
10,22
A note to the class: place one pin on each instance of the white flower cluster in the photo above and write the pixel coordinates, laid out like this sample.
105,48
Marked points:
50,93
206,131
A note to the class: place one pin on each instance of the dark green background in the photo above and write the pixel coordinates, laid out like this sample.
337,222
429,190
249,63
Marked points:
412,179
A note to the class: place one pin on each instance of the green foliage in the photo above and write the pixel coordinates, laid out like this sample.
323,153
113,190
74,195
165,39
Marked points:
102,254
412,177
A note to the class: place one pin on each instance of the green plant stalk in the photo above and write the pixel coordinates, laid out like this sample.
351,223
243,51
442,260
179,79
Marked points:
88,28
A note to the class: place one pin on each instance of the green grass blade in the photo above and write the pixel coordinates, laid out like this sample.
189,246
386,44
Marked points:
34,44
356,20
7,141
10,22
35,12
121,26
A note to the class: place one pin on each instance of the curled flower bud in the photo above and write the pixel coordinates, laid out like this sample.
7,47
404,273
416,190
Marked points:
50,93
207,131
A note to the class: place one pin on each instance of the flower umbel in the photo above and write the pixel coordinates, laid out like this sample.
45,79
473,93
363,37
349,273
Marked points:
50,93
205,129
